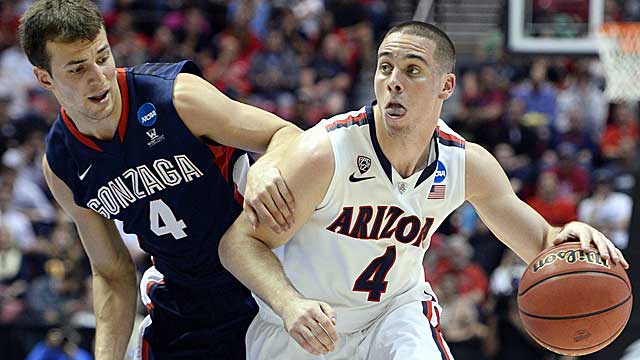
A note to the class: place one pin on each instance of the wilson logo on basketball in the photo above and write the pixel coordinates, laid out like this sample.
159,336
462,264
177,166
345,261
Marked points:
581,335
572,256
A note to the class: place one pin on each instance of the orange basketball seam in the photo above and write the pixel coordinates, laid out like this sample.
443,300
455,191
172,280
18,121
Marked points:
568,317
570,273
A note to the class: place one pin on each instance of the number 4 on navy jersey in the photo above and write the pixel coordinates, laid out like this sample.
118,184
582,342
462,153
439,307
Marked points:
372,279
160,211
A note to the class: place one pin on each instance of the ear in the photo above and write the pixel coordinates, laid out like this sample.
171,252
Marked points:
43,77
449,85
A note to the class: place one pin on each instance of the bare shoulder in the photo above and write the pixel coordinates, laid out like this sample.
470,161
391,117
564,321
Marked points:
475,154
199,103
483,174
314,147
186,84
63,194
190,91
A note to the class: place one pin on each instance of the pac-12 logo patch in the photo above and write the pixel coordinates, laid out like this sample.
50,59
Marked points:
147,114
441,173
364,163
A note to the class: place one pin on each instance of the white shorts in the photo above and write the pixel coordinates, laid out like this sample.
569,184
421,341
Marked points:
412,331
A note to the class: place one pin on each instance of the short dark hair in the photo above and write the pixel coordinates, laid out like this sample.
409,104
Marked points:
60,21
445,53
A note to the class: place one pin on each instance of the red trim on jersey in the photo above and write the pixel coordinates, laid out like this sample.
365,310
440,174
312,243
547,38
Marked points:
439,337
122,122
78,135
150,305
145,349
222,156
355,119
124,95
236,194
449,137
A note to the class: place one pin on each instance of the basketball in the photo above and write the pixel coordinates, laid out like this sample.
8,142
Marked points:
572,301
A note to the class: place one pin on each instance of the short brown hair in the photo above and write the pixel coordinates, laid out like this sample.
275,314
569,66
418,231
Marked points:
60,21
445,53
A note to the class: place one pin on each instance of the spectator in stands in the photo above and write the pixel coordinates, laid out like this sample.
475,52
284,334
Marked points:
274,76
11,286
193,34
514,342
8,128
554,207
293,35
52,298
229,72
161,47
59,345
28,197
511,130
456,260
607,210
17,224
622,130
461,324
538,93
519,168
16,75
578,136
573,179
583,99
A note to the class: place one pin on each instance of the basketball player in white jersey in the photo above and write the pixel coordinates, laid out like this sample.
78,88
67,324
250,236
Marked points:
372,186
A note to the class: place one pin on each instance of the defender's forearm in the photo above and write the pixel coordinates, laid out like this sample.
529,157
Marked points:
256,266
114,302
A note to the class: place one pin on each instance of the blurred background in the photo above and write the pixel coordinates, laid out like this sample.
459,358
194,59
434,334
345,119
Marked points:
531,89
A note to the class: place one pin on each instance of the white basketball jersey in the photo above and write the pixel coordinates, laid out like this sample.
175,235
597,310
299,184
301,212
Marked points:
361,250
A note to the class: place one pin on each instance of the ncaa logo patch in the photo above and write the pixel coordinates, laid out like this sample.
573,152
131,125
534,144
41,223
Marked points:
147,114
441,173
364,163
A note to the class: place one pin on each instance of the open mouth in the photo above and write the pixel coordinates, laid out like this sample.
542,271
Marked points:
395,109
99,97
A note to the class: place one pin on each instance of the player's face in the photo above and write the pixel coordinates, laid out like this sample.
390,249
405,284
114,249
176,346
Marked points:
409,85
83,78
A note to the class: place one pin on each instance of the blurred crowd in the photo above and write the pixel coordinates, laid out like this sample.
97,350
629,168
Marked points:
568,153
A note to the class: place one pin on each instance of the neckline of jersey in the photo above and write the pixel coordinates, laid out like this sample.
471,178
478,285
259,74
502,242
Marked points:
92,142
384,161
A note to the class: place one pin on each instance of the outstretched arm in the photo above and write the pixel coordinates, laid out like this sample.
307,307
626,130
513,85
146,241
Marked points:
114,275
246,253
514,222
210,114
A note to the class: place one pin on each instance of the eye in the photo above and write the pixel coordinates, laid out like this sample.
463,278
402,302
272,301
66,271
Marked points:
385,68
77,70
102,60
413,70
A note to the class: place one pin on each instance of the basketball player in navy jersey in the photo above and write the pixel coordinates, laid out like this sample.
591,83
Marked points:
346,281
156,147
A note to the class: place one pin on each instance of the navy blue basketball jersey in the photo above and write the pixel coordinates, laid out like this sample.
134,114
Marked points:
172,189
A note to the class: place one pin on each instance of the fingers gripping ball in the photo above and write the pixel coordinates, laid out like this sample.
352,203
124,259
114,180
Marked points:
572,301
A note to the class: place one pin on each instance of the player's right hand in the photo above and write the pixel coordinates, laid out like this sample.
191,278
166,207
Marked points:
312,324
267,199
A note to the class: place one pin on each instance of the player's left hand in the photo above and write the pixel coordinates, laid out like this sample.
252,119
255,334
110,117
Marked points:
587,234
267,199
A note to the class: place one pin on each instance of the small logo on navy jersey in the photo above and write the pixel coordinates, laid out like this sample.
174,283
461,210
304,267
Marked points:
441,173
147,114
154,137
364,163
